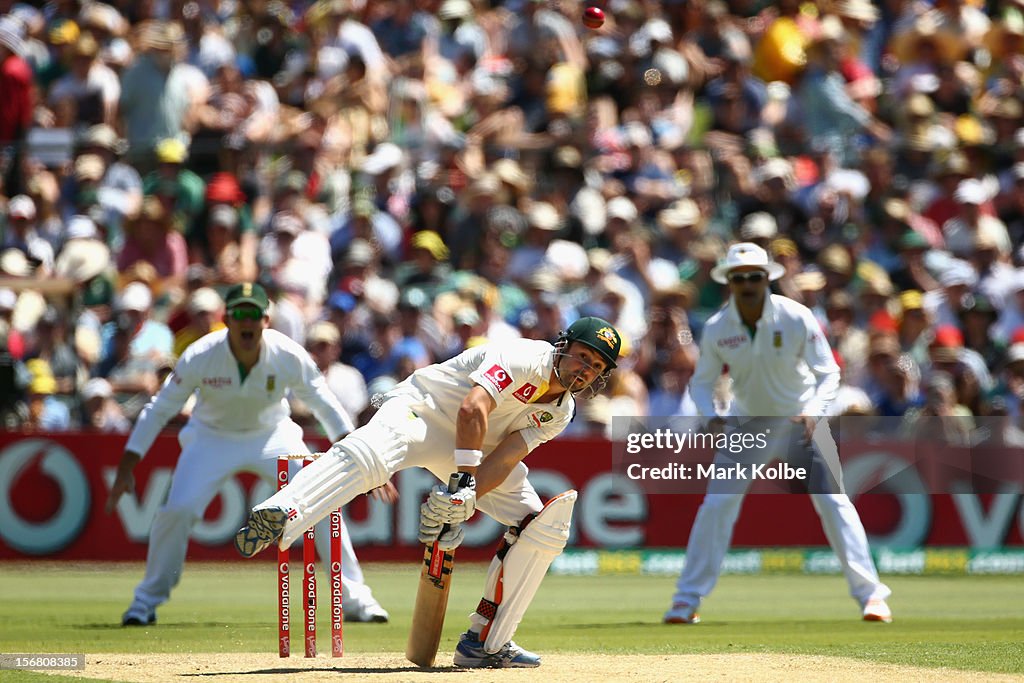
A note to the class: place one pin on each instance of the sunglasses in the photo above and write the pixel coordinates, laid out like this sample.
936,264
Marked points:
246,313
754,277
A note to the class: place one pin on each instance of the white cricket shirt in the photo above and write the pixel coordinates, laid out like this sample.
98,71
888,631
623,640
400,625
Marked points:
229,405
515,373
786,370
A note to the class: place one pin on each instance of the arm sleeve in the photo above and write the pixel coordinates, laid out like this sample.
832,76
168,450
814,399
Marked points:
708,370
167,403
822,362
311,386
535,436
497,375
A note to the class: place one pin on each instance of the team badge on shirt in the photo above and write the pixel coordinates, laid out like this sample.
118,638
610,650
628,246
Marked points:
607,335
498,377
537,419
271,382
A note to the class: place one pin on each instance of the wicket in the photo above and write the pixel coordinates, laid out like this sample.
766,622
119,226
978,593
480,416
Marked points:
309,598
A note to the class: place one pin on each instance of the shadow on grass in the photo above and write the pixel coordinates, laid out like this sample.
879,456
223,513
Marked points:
336,669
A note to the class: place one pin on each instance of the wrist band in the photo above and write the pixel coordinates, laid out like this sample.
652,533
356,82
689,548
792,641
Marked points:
468,457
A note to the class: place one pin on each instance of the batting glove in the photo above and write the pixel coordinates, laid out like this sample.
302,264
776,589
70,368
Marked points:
429,528
451,539
452,508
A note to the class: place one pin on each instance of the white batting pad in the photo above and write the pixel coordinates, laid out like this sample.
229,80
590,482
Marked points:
524,567
326,484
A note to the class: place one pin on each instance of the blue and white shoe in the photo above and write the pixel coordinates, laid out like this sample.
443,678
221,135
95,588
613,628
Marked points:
264,526
138,615
470,654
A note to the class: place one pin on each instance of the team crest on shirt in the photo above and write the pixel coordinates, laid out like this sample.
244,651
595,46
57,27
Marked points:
777,339
537,419
525,393
607,335
271,382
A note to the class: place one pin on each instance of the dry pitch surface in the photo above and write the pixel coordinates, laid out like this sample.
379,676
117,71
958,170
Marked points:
382,668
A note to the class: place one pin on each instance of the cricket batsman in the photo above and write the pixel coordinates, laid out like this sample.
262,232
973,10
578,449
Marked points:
240,422
479,414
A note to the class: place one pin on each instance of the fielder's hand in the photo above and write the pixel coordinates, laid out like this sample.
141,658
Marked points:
450,508
125,480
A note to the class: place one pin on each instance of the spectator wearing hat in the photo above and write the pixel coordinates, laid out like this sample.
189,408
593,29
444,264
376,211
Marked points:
181,190
144,336
427,265
947,353
341,311
205,314
151,238
43,412
1011,315
977,316
849,340
219,252
544,223
829,115
83,256
961,232
893,379
773,187
100,412
21,234
90,91
160,95
914,325
941,418
324,345
957,279
680,222
16,87
49,342
120,189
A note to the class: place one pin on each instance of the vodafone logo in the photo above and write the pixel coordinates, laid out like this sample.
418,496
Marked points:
525,393
498,377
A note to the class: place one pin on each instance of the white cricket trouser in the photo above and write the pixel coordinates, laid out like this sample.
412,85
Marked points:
207,459
407,431
711,534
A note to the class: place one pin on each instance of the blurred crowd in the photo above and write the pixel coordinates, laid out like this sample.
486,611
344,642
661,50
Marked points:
413,177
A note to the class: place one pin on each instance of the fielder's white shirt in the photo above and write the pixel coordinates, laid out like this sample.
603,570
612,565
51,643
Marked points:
515,373
229,405
786,370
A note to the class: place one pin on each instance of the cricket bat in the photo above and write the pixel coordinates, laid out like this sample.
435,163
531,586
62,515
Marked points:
431,599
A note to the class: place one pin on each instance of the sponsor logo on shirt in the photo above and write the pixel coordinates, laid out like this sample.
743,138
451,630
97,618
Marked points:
271,382
525,392
732,342
498,377
217,382
777,339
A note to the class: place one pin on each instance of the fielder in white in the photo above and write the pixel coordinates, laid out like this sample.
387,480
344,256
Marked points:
240,422
781,367
480,414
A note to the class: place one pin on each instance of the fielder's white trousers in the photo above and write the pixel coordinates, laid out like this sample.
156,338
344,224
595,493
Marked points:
208,458
711,534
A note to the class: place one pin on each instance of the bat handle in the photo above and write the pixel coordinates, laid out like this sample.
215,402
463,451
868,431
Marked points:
453,486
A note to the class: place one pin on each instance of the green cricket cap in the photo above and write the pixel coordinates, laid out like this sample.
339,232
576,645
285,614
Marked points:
598,334
247,293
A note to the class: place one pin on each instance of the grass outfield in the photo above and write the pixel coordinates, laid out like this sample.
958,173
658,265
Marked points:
964,623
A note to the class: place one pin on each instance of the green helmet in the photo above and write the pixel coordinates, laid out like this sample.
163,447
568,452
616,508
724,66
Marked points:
598,334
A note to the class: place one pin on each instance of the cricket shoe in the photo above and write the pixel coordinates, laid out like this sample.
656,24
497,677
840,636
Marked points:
264,526
371,613
876,609
681,613
470,654
138,615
